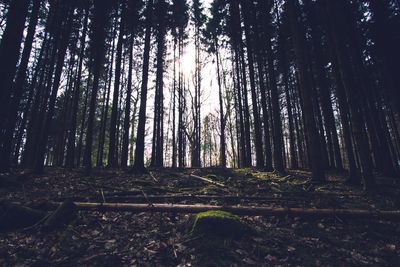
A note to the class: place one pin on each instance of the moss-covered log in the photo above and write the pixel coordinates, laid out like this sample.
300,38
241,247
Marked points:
238,210
219,223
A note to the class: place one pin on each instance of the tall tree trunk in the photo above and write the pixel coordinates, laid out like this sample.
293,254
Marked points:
300,48
222,159
256,116
127,119
157,142
9,55
174,111
242,146
20,80
351,88
75,99
101,12
44,85
139,151
105,108
246,112
112,148
65,36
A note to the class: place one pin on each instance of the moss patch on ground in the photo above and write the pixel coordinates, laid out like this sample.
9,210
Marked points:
218,223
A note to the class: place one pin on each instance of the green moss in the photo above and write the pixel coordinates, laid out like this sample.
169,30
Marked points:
217,214
218,223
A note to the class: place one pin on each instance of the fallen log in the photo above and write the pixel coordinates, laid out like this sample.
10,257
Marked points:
238,210
183,197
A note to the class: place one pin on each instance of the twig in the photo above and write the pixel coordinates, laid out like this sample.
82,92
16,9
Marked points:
102,195
152,176
207,180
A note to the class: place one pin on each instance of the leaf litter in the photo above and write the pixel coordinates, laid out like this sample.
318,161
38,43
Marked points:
164,239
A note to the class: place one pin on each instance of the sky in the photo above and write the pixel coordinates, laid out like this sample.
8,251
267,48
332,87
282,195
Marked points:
209,85
209,80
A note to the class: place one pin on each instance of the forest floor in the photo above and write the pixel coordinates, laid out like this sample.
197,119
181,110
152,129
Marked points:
164,239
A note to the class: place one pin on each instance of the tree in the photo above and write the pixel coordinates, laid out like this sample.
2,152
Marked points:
9,53
246,7
213,32
132,25
300,47
54,86
70,157
351,89
18,86
100,21
276,112
112,149
199,19
138,166
158,125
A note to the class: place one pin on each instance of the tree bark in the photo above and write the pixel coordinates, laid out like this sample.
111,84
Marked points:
138,166
101,12
9,54
112,148
70,158
300,47
20,80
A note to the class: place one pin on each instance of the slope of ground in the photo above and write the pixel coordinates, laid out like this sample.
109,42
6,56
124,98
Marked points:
164,239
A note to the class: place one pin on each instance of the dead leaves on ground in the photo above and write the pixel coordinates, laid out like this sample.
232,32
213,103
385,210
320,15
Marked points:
154,239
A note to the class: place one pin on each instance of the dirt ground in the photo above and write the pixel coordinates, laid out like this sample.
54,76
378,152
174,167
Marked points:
165,239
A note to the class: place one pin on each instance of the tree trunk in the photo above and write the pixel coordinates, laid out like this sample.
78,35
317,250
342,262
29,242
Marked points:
127,119
70,161
20,80
65,36
300,48
139,151
9,54
256,116
101,12
351,88
112,148
222,159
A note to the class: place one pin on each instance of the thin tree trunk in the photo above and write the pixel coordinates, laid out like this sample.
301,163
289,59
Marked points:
256,116
112,148
139,151
127,119
222,159
70,160
101,12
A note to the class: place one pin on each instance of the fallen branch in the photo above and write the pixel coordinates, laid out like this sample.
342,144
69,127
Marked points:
239,210
207,180
152,176
183,197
